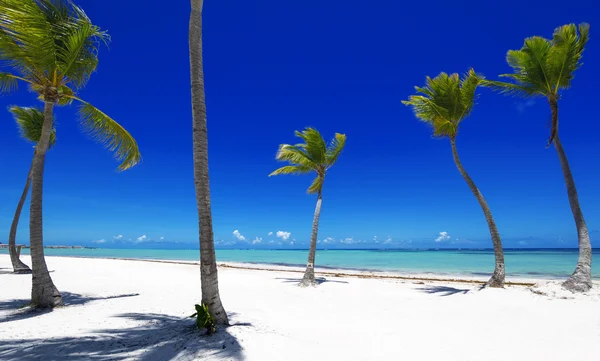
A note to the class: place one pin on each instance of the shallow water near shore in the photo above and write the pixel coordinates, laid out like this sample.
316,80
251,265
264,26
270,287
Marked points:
534,263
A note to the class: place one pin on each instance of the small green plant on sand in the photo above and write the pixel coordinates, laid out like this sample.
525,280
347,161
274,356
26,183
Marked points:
204,319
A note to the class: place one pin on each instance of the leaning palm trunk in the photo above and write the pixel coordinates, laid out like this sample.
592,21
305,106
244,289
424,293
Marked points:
498,277
581,279
208,262
309,274
43,292
18,266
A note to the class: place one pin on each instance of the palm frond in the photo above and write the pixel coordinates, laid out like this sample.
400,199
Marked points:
292,169
30,122
445,101
8,83
565,55
517,89
110,133
314,144
295,155
316,186
334,149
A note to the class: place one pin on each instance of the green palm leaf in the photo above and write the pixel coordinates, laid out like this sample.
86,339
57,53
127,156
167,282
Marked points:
110,133
334,149
30,122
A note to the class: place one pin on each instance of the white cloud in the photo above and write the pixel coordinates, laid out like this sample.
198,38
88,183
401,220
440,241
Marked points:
374,238
142,238
329,240
349,240
162,238
444,236
118,238
100,241
270,234
522,243
238,235
388,240
257,240
283,235
291,243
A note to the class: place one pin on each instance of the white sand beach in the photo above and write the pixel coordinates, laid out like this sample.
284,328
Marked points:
136,310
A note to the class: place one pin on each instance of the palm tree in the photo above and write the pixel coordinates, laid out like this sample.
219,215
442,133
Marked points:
314,155
445,102
53,47
208,261
29,121
545,68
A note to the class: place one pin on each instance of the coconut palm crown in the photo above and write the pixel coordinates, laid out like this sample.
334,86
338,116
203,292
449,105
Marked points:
314,155
445,101
545,67
52,46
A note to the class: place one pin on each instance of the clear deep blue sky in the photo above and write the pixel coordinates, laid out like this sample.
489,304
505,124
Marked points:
275,66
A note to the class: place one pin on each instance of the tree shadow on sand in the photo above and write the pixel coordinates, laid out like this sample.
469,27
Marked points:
443,290
157,338
22,310
318,280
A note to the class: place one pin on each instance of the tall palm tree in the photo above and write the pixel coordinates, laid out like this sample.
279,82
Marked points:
52,46
29,122
314,155
208,261
445,101
545,68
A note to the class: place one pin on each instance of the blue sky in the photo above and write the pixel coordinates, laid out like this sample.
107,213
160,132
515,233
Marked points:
275,66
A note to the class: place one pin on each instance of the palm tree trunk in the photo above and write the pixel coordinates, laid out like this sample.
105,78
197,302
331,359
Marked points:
208,262
309,274
498,277
43,292
18,266
581,279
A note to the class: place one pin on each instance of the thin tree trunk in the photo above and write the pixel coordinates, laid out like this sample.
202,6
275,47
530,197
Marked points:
43,292
309,274
581,279
497,279
208,262
18,266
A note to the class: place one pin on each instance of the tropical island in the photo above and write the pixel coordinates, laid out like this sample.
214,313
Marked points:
123,304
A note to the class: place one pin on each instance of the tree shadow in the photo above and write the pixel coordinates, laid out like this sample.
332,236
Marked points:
318,280
443,290
23,311
157,337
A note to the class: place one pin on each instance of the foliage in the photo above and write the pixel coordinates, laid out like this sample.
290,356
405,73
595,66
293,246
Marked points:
53,47
544,67
314,155
204,319
30,121
445,101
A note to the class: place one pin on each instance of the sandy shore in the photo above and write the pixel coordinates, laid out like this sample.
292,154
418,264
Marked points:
135,310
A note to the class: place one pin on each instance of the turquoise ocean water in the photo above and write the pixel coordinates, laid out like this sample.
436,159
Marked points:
540,263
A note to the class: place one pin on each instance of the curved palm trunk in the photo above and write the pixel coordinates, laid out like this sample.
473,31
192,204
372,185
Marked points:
208,262
581,279
498,277
43,292
18,266
309,274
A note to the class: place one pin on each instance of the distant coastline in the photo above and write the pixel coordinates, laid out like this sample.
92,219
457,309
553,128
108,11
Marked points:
5,246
